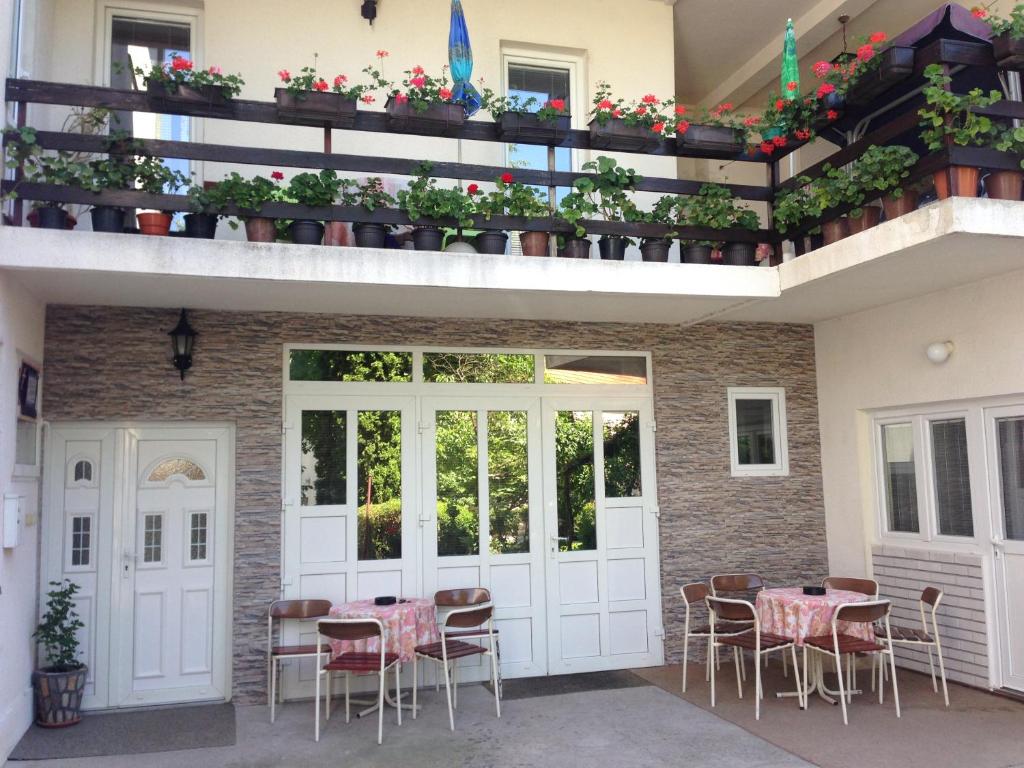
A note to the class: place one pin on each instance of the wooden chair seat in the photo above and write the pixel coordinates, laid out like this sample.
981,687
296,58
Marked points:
847,644
476,634
456,650
723,628
294,650
910,635
748,640
354,661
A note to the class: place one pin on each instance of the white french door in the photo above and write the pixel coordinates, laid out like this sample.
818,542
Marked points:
1005,438
600,520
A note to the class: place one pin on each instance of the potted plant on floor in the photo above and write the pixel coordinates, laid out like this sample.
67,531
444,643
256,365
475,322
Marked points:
1005,184
180,81
152,176
249,196
420,103
372,196
607,192
59,686
527,120
423,199
795,205
314,190
952,119
309,97
884,169
511,198
666,211
714,207
635,127
1007,35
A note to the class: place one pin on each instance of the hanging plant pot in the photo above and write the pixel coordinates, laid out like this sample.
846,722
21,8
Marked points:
534,243
616,136
869,217
1008,52
336,233
695,253
51,217
1004,185
576,248
322,108
527,128
58,696
306,232
491,242
612,247
212,96
655,250
957,181
435,120
154,223
107,219
740,254
896,64
369,235
260,230
427,238
201,225
710,141
894,207
835,230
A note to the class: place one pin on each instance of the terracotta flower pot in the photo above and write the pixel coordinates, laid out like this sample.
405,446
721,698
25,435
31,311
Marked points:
336,233
1004,185
260,230
895,207
835,230
155,223
869,217
957,181
534,243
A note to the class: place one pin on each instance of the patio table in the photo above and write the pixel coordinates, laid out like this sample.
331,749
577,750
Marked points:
787,611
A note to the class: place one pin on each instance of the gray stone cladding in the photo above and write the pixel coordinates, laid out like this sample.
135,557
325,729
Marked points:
105,363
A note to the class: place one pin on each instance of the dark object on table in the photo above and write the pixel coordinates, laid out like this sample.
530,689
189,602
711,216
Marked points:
815,591
387,600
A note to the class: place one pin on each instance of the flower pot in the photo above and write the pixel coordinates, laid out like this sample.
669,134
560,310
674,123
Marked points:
336,233
740,254
491,242
808,243
709,141
655,250
260,230
896,64
576,248
107,219
835,230
616,136
1008,52
213,97
154,223
612,247
201,225
693,253
58,696
435,120
370,235
427,238
894,207
316,107
534,243
957,181
833,102
869,217
1004,185
51,217
306,232
527,128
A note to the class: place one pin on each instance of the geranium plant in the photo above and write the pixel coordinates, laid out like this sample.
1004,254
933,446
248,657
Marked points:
156,178
417,89
423,199
1011,139
784,120
952,118
715,207
371,194
214,199
723,116
546,111
317,190
510,198
837,187
249,195
181,71
309,81
1012,25
647,112
793,206
883,169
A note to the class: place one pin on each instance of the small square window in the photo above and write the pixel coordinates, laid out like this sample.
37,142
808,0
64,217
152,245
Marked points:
757,431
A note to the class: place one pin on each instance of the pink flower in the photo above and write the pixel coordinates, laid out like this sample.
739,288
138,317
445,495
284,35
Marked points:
616,113
825,89
866,52
606,104
641,111
285,75
401,98
320,85
445,94
751,121
821,69
215,70
367,99
277,176
418,82
382,54
418,70
650,98
339,81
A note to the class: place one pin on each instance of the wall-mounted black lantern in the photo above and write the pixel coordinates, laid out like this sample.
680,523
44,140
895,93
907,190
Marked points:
182,340
369,10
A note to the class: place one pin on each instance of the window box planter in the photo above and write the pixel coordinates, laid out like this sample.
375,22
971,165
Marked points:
491,241
616,136
534,243
1008,52
212,96
655,250
331,109
527,128
897,64
740,254
710,141
436,120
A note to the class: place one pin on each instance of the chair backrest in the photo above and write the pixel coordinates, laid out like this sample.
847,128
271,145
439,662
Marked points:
350,629
694,593
727,609
468,617
459,598
931,596
862,613
299,609
731,583
867,587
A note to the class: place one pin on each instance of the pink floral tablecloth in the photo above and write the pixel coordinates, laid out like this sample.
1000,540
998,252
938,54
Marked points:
789,612
406,625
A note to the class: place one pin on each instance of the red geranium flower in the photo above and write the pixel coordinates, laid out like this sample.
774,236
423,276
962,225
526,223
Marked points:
802,134
650,98
401,98
340,80
978,12
779,141
616,113
418,70
832,115
506,178
277,176
557,104
791,85
445,94
878,37
866,52
320,85
825,89
680,110
641,110
682,127
779,104
658,127
285,75
606,104
767,147
821,68
418,82
472,189
752,120
381,54
367,99
179,63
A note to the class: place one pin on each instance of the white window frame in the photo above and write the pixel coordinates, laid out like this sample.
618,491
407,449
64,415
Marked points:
919,479
777,397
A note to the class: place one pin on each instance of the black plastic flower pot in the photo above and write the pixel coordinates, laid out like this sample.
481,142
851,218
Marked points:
615,135
201,225
107,219
695,254
314,107
612,247
52,217
527,128
576,248
435,120
1008,52
491,242
655,250
716,141
306,232
427,238
740,254
370,235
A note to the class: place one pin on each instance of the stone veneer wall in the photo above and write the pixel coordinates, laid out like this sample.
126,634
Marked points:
903,572
113,363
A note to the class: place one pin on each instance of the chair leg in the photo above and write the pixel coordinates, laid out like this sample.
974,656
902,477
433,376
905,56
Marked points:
348,706
448,691
398,691
327,703
931,668
316,708
415,686
942,672
855,660
785,672
806,690
757,686
800,693
707,662
711,671
842,690
686,658
849,678
895,688
455,685
736,661
874,661
273,687
881,678
380,709
494,673
743,666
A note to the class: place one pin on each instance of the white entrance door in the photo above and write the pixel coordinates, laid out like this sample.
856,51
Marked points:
1005,428
601,535
142,522
482,521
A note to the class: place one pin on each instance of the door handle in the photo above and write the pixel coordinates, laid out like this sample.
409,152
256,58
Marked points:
128,559
997,546
554,543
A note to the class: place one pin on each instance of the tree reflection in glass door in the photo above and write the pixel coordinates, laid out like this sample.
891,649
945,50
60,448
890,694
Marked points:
379,489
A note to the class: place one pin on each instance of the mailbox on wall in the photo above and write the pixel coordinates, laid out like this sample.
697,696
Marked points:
11,531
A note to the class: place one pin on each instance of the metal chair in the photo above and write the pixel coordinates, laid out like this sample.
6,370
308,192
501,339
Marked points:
355,662
753,639
922,638
694,594
282,610
867,587
741,585
447,599
840,644
449,650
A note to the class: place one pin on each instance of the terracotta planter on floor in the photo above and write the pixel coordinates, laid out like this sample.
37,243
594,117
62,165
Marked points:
957,181
835,230
869,217
336,233
260,230
1004,185
153,223
895,207
534,243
